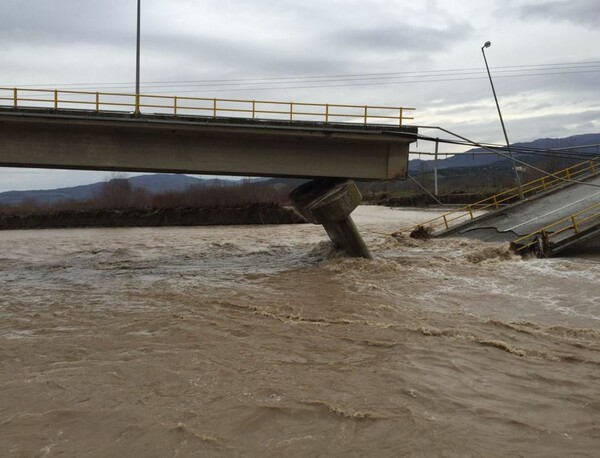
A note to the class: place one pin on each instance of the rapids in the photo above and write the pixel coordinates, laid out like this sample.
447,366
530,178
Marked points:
263,341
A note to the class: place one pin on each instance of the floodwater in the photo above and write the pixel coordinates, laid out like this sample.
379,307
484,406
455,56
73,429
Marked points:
262,341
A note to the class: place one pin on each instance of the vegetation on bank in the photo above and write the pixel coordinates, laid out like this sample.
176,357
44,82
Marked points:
119,194
456,186
139,217
118,204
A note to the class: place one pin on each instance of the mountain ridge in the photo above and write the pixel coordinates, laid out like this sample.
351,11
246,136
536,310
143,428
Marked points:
153,183
477,157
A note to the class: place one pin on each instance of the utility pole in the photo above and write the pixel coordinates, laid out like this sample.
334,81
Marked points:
435,168
137,61
517,177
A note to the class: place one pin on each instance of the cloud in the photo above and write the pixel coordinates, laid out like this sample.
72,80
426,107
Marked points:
65,22
581,12
403,38
72,41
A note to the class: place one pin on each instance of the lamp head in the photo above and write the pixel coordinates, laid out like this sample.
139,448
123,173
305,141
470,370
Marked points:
487,44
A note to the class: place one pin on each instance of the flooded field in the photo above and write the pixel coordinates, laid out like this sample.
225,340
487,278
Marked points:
262,341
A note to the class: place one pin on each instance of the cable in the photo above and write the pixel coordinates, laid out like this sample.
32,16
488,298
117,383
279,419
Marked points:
350,75
390,83
424,189
245,89
346,77
506,156
550,152
224,83
524,150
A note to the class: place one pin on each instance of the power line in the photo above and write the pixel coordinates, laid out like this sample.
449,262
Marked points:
494,149
519,70
352,84
506,156
394,83
351,75
556,152
548,153
346,78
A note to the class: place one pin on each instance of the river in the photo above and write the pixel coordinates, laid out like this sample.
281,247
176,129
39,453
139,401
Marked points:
263,341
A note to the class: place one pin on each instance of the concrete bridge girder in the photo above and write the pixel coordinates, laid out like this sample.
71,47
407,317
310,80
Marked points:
230,147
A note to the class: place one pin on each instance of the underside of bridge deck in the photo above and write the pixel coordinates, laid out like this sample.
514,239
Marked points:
68,139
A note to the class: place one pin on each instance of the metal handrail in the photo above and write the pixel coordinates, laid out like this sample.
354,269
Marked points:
544,183
255,109
574,222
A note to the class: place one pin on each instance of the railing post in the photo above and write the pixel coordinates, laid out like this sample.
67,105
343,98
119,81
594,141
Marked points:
137,104
496,202
366,116
544,183
568,174
445,221
545,237
253,109
401,116
214,108
97,101
291,111
174,105
326,113
470,211
592,166
55,99
575,228
15,98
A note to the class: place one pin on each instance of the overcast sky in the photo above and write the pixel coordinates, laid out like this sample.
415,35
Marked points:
544,58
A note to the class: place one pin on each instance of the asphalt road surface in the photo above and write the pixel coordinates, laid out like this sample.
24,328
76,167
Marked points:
523,219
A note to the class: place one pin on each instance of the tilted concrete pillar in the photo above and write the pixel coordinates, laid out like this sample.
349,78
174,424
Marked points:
329,201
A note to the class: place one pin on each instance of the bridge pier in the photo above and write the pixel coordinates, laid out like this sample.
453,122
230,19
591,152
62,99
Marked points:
329,201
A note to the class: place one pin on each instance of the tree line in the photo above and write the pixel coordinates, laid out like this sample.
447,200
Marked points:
119,194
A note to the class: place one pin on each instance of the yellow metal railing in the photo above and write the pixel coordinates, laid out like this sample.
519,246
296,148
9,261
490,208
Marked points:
575,223
544,183
212,107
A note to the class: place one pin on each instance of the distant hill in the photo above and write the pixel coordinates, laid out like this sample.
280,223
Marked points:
155,183
162,182
479,157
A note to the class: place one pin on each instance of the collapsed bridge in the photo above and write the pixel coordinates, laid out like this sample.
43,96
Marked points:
150,133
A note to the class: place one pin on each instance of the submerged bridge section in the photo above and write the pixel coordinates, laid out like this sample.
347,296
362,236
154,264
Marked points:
523,218
559,212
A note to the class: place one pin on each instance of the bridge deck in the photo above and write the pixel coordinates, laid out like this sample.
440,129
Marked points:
522,219
574,204
117,140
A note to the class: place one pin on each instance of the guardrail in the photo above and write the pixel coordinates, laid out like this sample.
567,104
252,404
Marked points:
574,222
494,202
212,107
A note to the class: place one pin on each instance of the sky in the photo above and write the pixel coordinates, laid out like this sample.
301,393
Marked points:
544,59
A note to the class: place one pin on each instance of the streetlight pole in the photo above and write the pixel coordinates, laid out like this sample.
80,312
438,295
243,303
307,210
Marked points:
435,168
517,177
137,61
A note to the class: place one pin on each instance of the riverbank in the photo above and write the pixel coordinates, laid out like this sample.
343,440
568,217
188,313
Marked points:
209,216
421,200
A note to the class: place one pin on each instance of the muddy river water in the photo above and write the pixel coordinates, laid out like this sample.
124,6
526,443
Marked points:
263,341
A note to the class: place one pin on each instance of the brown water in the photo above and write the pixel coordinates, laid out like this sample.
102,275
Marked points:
261,341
